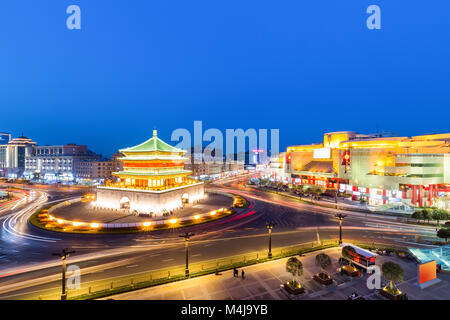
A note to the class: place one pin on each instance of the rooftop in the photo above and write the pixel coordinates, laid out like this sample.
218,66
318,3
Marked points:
152,145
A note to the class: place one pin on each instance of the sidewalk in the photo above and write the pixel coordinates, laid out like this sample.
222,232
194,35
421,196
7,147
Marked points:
343,204
262,282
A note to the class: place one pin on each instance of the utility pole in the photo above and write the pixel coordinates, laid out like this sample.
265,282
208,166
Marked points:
186,237
340,217
64,255
269,226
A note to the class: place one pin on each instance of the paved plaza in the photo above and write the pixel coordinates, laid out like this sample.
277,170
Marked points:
262,282
84,211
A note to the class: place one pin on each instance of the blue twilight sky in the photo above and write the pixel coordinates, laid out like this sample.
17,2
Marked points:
305,67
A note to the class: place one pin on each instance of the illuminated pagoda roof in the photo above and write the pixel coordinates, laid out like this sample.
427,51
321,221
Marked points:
154,144
152,159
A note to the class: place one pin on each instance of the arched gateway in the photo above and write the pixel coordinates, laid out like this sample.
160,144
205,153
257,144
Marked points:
124,203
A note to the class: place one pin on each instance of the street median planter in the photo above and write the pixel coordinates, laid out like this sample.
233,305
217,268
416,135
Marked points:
394,294
323,278
350,271
293,287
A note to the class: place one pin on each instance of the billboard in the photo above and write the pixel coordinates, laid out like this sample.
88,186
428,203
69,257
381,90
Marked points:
322,153
427,271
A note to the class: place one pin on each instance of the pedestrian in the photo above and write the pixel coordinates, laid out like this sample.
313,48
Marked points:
243,274
235,272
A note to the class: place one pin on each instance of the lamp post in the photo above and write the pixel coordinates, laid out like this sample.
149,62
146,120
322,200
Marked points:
64,255
269,226
186,237
336,198
340,217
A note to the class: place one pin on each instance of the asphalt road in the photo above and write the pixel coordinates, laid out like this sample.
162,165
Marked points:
27,264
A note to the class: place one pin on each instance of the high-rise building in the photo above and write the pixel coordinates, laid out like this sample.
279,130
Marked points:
57,163
4,138
95,171
379,169
13,154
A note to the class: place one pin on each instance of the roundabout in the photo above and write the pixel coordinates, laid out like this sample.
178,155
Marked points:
152,192
82,216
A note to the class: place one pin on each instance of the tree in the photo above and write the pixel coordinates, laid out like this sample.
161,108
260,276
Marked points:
294,267
440,214
427,214
392,272
418,215
443,233
323,260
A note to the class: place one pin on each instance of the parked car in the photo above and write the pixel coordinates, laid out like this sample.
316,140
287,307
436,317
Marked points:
355,296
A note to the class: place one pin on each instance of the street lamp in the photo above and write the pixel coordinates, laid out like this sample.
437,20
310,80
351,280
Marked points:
340,217
336,197
186,237
64,255
269,226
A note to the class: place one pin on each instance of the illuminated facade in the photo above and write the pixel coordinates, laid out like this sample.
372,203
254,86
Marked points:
94,171
153,180
57,163
13,155
414,170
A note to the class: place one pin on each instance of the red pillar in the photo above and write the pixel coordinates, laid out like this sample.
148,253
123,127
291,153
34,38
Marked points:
420,196
414,195
430,192
384,195
354,188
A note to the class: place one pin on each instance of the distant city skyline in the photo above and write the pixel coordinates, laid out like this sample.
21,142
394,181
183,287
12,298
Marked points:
108,154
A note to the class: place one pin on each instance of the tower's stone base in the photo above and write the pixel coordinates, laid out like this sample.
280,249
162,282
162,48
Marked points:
148,202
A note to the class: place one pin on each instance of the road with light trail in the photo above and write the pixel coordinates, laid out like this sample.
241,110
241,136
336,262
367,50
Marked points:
28,266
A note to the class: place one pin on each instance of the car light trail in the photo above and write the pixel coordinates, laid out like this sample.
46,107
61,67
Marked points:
10,222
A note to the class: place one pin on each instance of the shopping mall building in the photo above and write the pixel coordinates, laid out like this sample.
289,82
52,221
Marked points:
414,170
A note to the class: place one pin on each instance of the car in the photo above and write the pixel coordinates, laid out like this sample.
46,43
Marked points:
355,296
